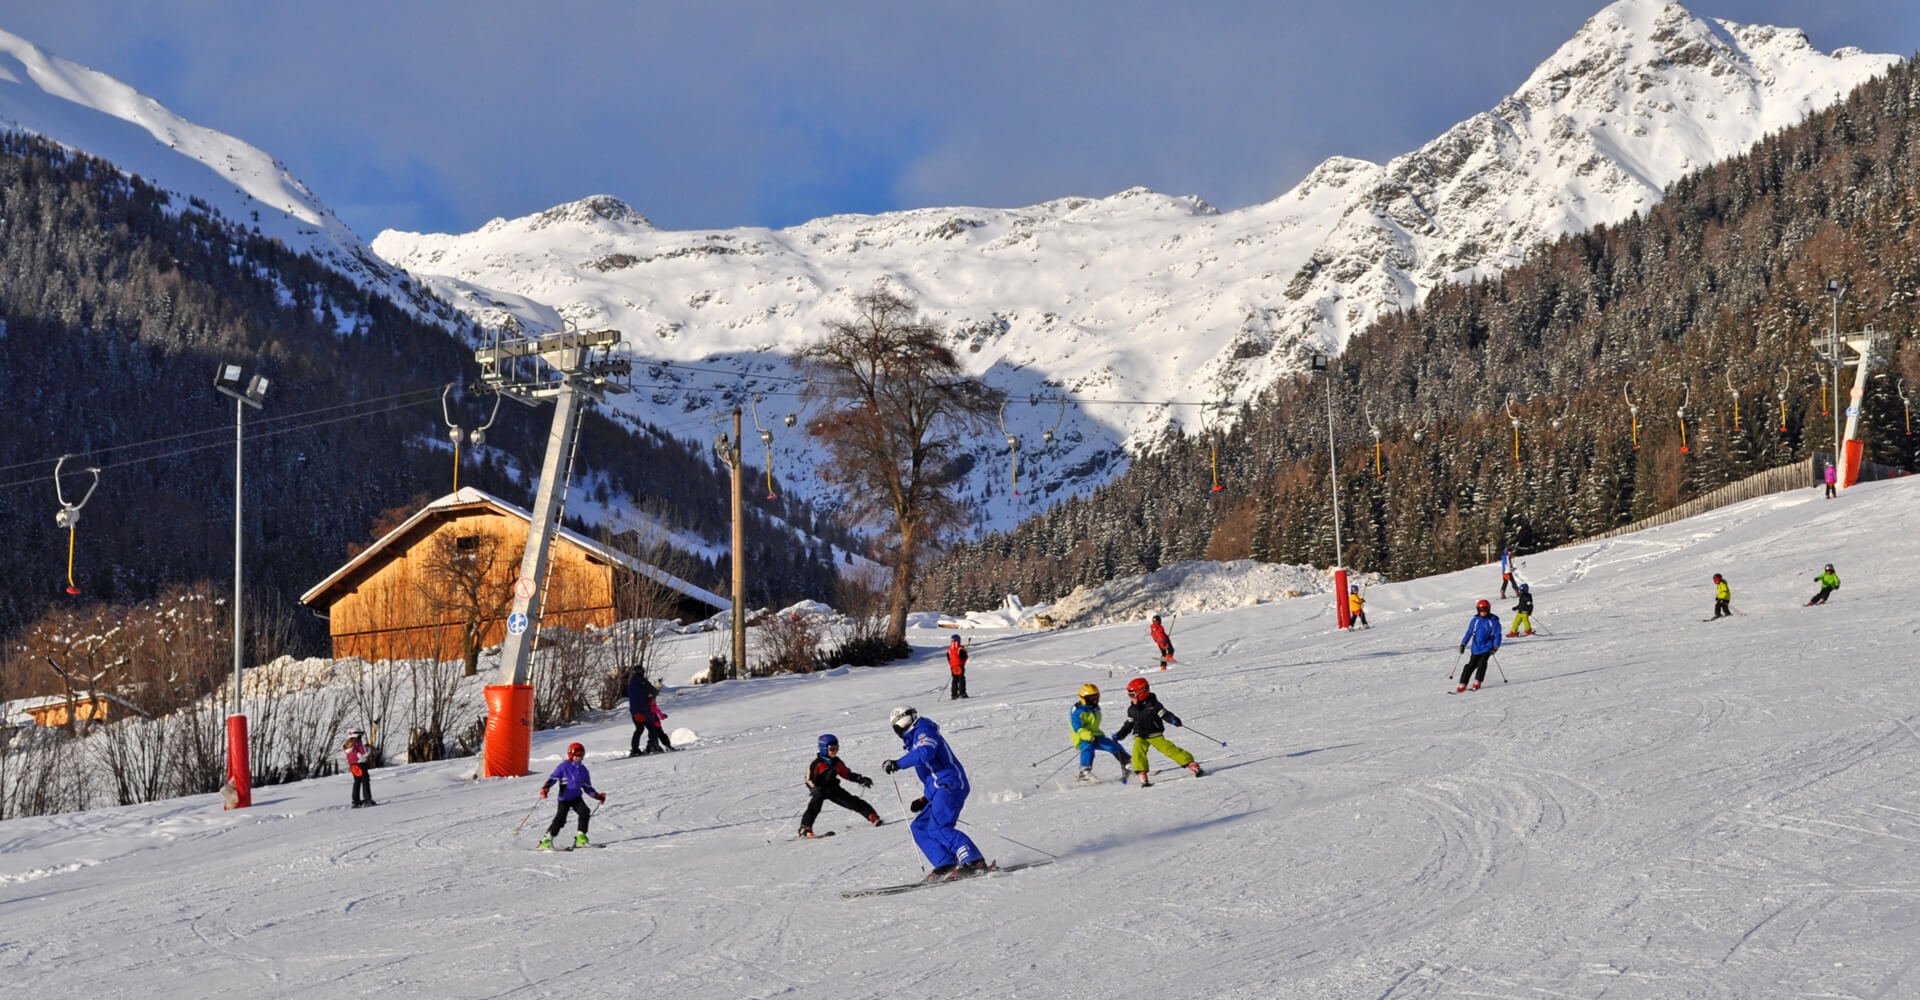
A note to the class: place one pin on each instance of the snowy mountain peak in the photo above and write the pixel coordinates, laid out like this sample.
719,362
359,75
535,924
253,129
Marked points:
600,210
86,110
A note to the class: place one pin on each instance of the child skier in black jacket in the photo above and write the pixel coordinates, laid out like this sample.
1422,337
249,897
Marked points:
1148,720
823,778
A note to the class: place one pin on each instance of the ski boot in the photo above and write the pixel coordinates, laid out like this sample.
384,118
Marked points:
1125,775
1474,687
939,872
977,866
1086,775
545,844
873,818
805,832
579,840
1145,782
1195,768
1460,689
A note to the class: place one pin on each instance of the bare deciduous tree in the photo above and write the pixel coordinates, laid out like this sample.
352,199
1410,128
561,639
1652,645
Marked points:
467,578
895,403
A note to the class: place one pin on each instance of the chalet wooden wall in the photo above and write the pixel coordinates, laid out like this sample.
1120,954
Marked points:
384,610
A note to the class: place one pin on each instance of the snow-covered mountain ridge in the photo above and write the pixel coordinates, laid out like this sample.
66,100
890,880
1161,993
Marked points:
88,111
1145,297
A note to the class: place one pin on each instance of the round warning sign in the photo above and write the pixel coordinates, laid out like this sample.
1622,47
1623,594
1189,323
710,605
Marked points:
523,587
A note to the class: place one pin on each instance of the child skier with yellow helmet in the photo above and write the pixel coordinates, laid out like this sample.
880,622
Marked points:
1085,720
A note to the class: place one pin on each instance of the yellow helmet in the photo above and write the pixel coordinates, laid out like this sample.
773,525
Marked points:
1089,691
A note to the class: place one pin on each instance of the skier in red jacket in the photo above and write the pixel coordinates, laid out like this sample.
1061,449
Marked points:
1160,639
957,662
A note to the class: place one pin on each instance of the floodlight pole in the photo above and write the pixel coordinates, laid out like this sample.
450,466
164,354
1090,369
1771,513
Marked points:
228,381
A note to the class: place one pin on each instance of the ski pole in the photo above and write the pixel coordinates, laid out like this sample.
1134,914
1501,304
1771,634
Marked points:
1543,629
1012,841
897,795
1202,735
1496,665
1456,665
1047,776
528,816
1050,756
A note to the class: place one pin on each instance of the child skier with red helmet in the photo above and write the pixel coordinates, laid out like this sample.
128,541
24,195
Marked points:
1148,720
1483,634
575,785
823,780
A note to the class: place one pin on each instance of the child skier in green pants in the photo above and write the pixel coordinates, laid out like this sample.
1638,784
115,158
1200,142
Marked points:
1148,720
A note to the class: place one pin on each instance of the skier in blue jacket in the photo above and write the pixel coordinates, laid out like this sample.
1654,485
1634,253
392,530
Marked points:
943,792
1483,634
575,785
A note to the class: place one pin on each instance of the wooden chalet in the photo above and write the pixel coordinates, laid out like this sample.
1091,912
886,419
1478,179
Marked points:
407,595
51,711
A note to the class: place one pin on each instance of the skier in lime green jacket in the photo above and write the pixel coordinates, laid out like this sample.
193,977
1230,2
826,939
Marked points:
1085,720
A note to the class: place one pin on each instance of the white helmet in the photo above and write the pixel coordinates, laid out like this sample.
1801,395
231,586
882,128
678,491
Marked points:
903,719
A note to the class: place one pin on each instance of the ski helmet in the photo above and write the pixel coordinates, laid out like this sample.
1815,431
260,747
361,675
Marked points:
1829,567
956,637
576,750
828,740
903,719
1156,617
1484,605
1523,586
1716,578
1353,588
1089,693
1137,687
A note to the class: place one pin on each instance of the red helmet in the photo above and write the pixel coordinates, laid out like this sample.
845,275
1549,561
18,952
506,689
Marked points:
1137,687
1483,606
576,750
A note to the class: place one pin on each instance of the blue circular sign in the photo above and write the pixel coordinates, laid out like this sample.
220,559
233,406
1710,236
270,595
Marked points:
517,622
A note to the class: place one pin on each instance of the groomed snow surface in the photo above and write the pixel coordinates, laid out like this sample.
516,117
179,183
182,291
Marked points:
1645,805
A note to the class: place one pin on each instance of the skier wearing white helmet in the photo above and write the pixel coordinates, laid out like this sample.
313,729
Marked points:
943,793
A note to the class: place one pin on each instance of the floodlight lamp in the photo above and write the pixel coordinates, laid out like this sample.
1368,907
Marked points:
257,389
1318,362
227,377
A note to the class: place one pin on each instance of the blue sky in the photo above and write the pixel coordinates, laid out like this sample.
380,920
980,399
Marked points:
439,115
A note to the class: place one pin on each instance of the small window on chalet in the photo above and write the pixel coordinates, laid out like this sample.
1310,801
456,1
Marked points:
467,543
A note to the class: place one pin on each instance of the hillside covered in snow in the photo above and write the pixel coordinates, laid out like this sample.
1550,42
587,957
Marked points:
1639,804
1108,319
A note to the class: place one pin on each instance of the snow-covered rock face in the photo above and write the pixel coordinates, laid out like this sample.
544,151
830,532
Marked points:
93,113
1145,296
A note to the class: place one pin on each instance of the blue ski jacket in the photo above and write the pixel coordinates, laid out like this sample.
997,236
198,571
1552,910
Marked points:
932,759
573,778
1483,634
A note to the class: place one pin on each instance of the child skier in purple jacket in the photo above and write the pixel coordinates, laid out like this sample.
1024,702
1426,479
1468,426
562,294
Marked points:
575,785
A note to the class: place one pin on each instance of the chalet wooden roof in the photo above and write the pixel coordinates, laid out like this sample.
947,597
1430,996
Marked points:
324,593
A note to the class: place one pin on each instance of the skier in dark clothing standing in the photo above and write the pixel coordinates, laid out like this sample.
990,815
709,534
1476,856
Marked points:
575,785
646,715
1483,634
823,779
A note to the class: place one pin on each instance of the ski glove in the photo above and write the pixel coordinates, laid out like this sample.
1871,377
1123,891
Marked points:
1463,647
1173,720
917,804
602,796
890,767
865,782
543,791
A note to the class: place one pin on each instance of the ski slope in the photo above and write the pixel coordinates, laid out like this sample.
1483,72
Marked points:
1646,806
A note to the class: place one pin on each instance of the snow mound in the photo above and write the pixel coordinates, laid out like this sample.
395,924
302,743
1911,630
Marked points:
1187,587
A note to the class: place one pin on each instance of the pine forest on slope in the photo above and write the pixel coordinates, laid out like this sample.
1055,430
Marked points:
1718,288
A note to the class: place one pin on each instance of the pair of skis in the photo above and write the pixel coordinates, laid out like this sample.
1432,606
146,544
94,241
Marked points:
894,890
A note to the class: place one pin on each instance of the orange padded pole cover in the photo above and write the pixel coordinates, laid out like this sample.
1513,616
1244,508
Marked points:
509,730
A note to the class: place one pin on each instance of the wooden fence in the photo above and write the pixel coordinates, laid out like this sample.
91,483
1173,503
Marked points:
1776,480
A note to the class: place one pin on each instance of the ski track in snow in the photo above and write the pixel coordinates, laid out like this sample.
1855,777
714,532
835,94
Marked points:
1645,807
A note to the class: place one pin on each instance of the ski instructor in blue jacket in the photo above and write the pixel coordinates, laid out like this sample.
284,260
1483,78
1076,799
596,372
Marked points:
1483,635
943,792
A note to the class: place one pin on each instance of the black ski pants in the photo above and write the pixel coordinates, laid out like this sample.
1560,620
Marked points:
959,687
838,796
362,787
644,724
1723,607
579,806
1476,670
1821,597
